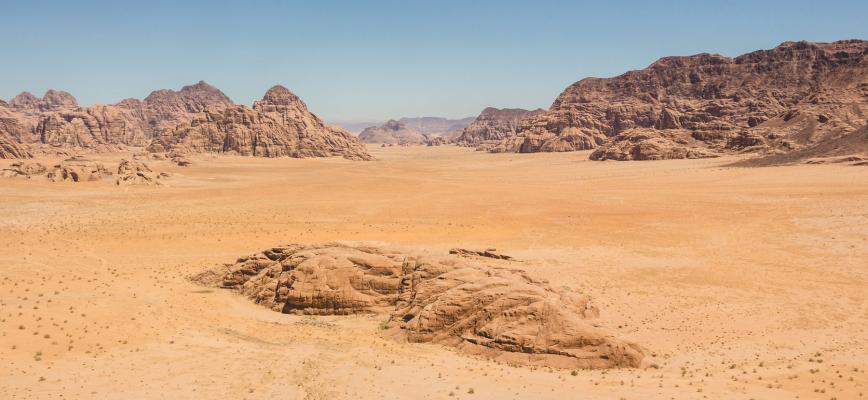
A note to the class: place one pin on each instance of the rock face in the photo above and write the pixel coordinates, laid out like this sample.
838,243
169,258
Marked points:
493,125
279,125
56,120
165,108
392,132
473,305
11,133
789,98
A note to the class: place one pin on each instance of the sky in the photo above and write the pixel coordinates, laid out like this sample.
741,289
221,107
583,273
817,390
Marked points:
354,61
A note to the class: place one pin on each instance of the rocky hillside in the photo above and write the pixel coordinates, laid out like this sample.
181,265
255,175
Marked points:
493,125
790,98
392,132
279,125
57,122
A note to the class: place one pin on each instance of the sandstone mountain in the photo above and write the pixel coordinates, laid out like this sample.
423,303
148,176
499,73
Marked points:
392,132
56,120
792,98
279,125
166,109
472,304
493,125
11,133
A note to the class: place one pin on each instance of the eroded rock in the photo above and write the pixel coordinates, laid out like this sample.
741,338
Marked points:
137,173
475,306
279,125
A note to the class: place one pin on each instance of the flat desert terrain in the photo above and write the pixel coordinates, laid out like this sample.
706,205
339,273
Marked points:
741,283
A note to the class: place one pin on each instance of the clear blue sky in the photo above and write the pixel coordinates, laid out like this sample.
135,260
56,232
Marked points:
372,60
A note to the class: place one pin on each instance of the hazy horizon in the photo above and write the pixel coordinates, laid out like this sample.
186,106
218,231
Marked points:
376,61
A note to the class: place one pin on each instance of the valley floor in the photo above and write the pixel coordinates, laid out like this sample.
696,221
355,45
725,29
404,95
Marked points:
744,283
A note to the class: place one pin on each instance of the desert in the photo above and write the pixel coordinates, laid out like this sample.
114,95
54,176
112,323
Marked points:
304,201
739,282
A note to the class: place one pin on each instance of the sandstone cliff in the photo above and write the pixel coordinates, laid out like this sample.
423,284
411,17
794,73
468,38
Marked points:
279,125
56,120
493,125
790,98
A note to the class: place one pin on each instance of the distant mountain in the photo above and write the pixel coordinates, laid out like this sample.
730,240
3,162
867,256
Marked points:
393,132
436,126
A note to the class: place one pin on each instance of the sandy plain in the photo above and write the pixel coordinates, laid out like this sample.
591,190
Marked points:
743,283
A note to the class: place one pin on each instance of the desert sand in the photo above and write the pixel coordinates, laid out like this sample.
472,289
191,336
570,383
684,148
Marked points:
741,283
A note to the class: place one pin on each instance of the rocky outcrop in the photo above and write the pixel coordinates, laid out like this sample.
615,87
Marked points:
137,173
51,101
11,133
24,169
10,149
648,144
279,125
470,304
77,169
493,125
93,127
392,132
57,122
789,98
166,108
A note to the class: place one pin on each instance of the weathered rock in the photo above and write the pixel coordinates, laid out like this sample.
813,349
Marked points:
493,125
392,132
92,127
646,144
137,173
77,169
474,306
165,109
24,170
56,121
279,125
488,253
792,97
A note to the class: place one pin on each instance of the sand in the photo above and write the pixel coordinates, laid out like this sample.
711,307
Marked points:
743,282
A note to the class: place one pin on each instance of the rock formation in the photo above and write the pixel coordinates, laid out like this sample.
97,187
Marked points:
165,108
77,169
473,305
790,98
57,122
24,169
392,132
11,133
137,173
493,125
279,125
